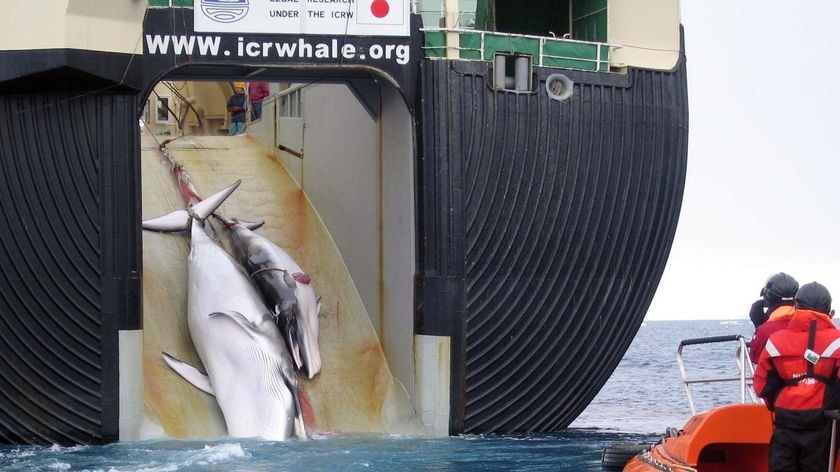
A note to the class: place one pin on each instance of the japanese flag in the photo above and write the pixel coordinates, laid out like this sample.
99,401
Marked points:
381,12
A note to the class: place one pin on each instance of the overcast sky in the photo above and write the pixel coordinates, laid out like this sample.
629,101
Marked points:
761,191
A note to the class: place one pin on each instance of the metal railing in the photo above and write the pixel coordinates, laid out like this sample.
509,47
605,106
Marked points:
745,369
543,40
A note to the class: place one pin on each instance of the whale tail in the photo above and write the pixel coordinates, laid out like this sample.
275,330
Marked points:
179,220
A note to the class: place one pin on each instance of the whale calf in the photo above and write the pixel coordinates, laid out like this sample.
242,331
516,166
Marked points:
287,291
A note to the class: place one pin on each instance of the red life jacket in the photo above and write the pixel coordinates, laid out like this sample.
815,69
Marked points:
797,372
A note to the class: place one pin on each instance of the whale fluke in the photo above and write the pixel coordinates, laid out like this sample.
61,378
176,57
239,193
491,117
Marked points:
206,207
179,220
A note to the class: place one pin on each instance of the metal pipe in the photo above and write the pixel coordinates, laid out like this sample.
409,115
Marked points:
522,73
499,72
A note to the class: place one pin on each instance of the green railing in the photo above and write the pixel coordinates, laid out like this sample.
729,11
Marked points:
546,52
170,3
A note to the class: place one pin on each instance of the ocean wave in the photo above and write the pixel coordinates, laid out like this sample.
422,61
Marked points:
218,453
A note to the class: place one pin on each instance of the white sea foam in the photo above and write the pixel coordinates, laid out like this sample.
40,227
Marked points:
160,468
60,449
59,466
18,454
218,453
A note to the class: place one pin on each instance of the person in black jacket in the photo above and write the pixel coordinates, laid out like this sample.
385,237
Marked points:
236,105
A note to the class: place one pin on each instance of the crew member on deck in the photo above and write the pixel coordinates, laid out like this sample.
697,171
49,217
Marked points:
797,377
777,297
237,105
257,91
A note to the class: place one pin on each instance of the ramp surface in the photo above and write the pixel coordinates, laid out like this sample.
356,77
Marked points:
355,391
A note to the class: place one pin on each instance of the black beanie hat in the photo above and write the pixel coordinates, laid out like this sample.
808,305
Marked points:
813,296
779,290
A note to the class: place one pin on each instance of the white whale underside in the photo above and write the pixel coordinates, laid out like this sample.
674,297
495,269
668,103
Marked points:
246,365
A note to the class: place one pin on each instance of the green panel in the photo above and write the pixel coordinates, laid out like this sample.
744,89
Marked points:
175,3
589,20
470,46
508,44
585,7
435,43
485,15
573,50
591,28
568,55
569,63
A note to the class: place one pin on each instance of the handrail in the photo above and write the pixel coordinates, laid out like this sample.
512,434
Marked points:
514,35
834,416
276,96
742,361
543,40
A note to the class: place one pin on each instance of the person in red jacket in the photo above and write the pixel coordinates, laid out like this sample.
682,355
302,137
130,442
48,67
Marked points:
777,296
797,378
257,91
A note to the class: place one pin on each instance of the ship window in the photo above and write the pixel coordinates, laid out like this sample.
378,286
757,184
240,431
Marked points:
291,105
466,13
433,13
584,20
589,20
533,17
513,72
163,109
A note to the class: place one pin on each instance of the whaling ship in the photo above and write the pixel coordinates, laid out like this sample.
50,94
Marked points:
485,191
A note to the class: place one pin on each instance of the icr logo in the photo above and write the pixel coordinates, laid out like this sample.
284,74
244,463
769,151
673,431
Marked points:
225,11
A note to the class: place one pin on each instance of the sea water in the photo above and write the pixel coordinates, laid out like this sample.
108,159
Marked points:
642,398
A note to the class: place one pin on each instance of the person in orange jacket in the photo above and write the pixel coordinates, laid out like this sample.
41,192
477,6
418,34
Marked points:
797,378
777,297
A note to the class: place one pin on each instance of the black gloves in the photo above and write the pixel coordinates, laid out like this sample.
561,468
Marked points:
757,314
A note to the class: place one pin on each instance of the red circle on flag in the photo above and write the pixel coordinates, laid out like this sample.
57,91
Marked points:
379,8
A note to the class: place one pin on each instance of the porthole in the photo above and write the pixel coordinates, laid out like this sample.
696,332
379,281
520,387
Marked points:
559,87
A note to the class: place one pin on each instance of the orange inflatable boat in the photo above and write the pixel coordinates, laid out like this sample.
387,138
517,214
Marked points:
731,438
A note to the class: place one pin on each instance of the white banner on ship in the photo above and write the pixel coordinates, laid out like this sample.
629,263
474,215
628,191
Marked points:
319,17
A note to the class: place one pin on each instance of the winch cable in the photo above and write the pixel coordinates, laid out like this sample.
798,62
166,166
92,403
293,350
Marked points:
182,178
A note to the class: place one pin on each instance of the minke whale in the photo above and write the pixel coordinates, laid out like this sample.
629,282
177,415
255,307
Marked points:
286,289
249,368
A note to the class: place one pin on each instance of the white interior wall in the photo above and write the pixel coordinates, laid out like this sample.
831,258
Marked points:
358,171
341,178
398,236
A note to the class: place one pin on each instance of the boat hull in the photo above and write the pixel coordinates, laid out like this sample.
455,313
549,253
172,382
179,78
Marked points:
729,438
545,228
